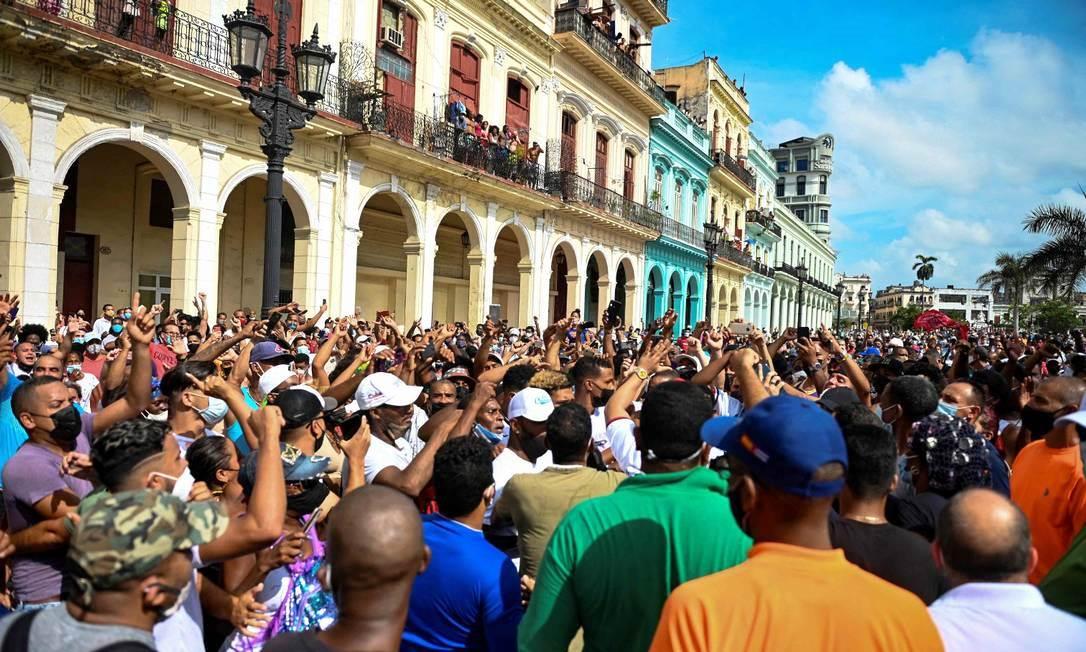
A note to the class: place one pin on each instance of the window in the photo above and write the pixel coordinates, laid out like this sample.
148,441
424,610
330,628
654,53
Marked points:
801,213
518,104
728,138
824,216
716,130
801,185
657,190
569,142
712,209
154,288
464,76
628,175
601,159
801,164
782,166
677,206
695,199
780,187
161,209
397,63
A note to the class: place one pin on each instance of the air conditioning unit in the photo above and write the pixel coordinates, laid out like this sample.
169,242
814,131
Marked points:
393,37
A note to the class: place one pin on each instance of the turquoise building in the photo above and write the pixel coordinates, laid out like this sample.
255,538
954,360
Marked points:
678,189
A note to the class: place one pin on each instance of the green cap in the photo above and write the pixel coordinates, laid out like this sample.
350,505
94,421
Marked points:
126,535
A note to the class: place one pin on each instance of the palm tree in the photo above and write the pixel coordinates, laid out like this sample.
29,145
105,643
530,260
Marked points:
924,268
1011,277
1060,263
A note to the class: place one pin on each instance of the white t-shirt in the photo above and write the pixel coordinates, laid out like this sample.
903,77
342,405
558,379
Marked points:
184,631
87,384
506,465
624,446
727,405
599,430
382,455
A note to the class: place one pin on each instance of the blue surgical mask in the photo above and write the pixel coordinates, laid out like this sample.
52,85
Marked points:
303,349
77,340
948,409
491,437
116,329
214,412
126,315
78,408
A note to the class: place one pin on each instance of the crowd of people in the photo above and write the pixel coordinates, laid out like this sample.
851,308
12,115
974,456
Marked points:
504,151
177,481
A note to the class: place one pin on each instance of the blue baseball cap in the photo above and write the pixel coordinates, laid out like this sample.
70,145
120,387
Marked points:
782,441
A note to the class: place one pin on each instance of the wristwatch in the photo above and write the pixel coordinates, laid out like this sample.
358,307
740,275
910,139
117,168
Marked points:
815,368
641,373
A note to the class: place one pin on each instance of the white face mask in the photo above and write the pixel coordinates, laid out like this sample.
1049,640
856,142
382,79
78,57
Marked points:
180,602
161,416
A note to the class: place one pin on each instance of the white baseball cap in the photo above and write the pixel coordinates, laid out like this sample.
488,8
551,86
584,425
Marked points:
1078,417
532,403
274,377
328,402
895,341
385,389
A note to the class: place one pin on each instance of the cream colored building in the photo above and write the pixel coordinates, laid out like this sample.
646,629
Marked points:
130,162
704,91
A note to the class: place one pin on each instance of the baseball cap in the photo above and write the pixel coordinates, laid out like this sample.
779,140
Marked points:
385,389
895,341
1078,417
837,397
458,372
269,351
126,535
532,403
300,405
297,467
274,377
783,440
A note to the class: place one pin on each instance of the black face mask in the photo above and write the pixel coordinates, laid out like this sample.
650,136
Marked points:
66,424
309,500
601,400
1037,422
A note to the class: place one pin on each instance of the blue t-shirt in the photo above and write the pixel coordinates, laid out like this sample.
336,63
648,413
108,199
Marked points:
233,431
468,597
1001,479
12,433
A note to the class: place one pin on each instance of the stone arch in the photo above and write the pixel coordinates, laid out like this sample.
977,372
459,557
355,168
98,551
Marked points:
301,203
563,294
602,262
169,164
597,286
14,163
639,144
403,200
471,224
520,234
608,125
576,105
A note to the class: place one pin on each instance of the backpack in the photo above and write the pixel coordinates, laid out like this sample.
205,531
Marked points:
17,638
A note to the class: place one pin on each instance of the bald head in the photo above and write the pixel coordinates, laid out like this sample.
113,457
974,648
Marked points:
983,537
375,540
1066,391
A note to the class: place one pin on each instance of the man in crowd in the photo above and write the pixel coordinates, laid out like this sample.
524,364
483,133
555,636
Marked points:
593,384
1047,481
788,460
397,456
469,595
965,400
983,545
653,528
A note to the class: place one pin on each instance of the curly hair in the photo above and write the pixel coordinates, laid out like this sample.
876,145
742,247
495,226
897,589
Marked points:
463,469
550,380
955,455
119,450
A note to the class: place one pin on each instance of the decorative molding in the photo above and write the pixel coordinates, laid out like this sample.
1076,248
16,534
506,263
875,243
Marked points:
441,19
432,191
209,149
550,84
499,55
45,105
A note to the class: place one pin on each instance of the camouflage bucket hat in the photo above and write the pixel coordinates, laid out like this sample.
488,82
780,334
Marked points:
126,535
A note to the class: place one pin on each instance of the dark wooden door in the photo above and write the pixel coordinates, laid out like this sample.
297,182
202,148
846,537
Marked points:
569,142
601,159
518,103
464,77
628,175
78,251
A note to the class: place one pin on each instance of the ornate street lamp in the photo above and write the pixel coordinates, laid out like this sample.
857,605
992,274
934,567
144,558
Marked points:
801,274
863,300
840,293
712,232
278,109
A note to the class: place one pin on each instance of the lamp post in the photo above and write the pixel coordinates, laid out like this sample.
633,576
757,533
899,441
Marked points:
863,300
712,242
801,274
278,109
840,293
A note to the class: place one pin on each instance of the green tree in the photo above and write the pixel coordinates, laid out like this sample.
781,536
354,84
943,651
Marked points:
1010,276
924,267
1060,263
1052,316
905,316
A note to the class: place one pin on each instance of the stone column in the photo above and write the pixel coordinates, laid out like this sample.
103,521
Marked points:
39,289
634,310
206,273
14,193
420,281
477,304
348,260
184,256
524,305
606,293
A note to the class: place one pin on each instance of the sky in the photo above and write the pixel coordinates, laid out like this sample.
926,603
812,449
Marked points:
953,119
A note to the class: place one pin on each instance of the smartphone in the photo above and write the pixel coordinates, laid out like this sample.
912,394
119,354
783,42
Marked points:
613,310
274,319
495,313
740,327
803,331
313,518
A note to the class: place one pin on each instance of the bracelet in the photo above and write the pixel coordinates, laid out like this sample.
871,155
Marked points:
362,368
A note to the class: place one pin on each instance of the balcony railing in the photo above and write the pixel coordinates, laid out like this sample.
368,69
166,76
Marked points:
661,5
726,161
160,27
762,269
678,231
441,138
787,269
767,223
736,256
576,189
570,19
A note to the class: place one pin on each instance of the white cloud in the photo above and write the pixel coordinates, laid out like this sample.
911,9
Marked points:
785,130
1004,114
1069,197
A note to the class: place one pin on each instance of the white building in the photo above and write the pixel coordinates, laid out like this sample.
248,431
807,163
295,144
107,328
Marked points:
855,287
804,166
795,248
971,305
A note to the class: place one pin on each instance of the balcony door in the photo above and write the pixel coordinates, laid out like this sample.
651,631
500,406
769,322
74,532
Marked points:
398,63
148,24
628,175
464,77
518,105
569,142
601,159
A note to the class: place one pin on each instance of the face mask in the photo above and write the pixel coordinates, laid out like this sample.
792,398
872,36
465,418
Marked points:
948,409
78,408
601,400
303,349
291,326
77,340
487,435
308,500
161,416
116,329
167,340
110,313
882,414
182,595
94,349
214,412
66,424
1037,422
72,368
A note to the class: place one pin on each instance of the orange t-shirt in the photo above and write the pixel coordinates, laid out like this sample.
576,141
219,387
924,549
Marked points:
790,598
1048,485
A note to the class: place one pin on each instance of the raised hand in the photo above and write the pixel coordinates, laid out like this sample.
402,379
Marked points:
357,446
8,302
141,328
745,357
248,615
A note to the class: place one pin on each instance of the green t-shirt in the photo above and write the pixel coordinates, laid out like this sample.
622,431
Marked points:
613,560
1065,585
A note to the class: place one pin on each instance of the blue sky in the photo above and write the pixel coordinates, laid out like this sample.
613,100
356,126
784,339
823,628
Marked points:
953,119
